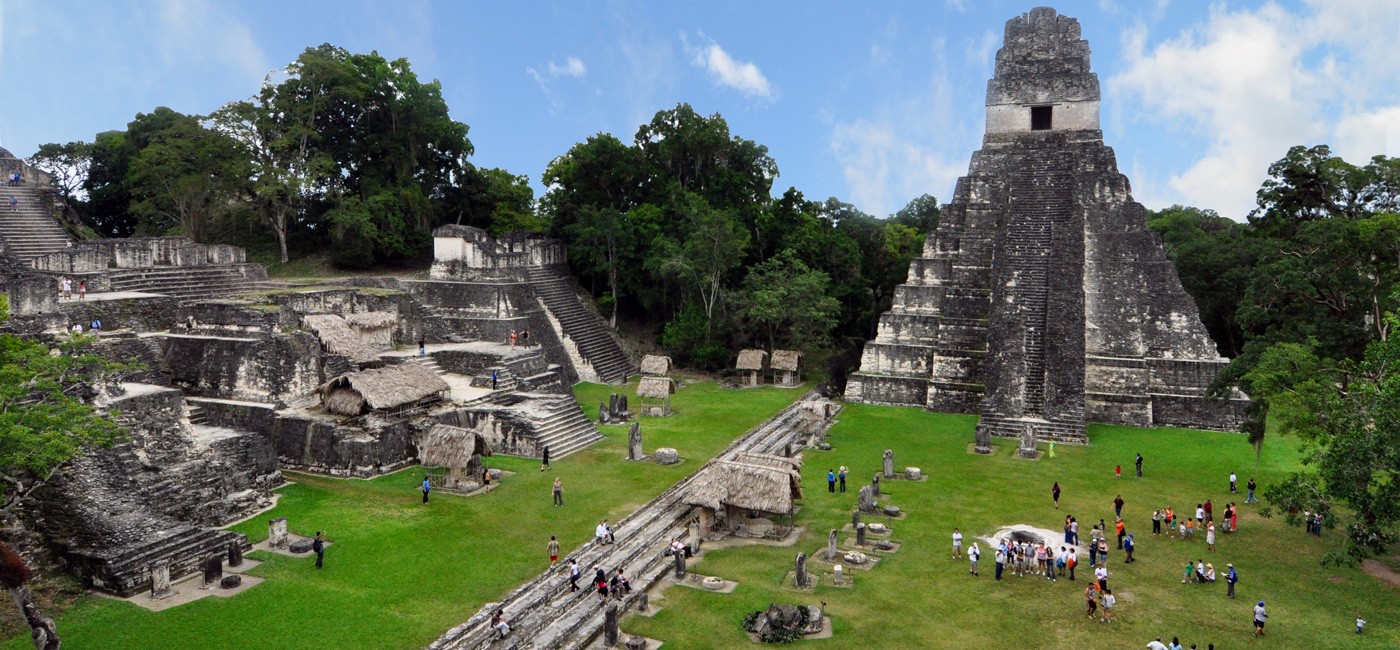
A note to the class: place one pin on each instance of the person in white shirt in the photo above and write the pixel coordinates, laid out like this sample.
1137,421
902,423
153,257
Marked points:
1108,602
1101,575
602,533
973,555
957,543
1156,644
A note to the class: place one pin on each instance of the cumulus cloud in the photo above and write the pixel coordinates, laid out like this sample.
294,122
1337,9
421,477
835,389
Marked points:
572,67
727,71
1251,83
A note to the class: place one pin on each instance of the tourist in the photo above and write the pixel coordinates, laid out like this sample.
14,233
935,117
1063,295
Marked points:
1157,521
601,534
96,326
544,459
1210,537
1118,506
1055,494
1094,546
620,585
1118,471
1041,565
1139,465
512,339
1169,516
14,205
974,554
558,492
1176,644
1234,517
1200,514
1230,579
1129,546
1250,486
1317,524
1001,560
495,377
1210,511
77,329
1190,573
1259,616
427,487
1103,550
422,345
1071,561
1073,530
1200,571
485,477
1209,574
1091,600
1101,577
831,480
1187,529
82,289
1108,602
600,580
1233,481
574,575
1050,561
1156,645
1052,448
957,543
1067,529
1360,624
841,476
524,338
553,548
67,288
318,545
498,623
1119,530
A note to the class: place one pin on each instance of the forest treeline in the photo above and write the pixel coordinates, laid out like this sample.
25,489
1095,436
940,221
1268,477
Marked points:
677,231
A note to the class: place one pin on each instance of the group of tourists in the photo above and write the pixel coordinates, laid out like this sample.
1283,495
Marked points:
1312,521
15,179
1024,558
522,337
834,476
65,288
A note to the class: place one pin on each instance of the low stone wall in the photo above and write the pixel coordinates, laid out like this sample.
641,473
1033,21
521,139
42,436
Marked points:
137,253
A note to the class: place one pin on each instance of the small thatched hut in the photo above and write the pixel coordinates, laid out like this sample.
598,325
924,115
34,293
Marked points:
456,450
750,367
404,387
787,367
656,365
359,336
655,394
745,493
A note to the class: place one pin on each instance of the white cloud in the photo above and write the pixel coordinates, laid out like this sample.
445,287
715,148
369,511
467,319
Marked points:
1252,83
573,67
725,70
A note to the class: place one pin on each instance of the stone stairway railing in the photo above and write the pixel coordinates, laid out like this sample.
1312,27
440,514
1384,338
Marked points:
544,614
595,342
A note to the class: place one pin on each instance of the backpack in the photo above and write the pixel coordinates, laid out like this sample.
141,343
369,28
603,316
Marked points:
1072,562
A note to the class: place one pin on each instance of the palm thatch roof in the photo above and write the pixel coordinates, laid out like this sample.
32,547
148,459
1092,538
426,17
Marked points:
447,446
337,337
656,365
381,388
368,320
786,360
751,360
745,485
768,460
659,387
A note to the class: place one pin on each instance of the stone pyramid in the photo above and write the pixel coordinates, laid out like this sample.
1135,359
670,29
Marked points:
1042,300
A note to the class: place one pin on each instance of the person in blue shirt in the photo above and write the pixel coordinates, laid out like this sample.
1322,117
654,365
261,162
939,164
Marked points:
1230,579
831,481
427,487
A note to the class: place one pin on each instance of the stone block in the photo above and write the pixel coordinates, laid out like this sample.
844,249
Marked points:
231,581
667,456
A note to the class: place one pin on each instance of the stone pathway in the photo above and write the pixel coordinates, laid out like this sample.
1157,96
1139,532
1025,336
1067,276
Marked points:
544,614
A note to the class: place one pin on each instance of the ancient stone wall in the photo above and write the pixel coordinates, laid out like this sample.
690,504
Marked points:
274,369
466,253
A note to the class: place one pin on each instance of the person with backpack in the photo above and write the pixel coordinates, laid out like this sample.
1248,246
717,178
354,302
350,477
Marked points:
427,487
1230,579
1071,561
318,545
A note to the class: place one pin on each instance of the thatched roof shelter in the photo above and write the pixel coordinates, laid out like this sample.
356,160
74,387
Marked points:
656,365
354,393
726,483
656,387
751,360
768,460
786,360
368,320
447,446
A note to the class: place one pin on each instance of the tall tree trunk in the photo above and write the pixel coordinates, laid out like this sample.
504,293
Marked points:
41,629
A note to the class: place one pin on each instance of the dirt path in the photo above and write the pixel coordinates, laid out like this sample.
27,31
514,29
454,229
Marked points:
1379,571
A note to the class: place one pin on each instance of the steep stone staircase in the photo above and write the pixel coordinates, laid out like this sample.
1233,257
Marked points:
556,421
32,231
191,282
595,342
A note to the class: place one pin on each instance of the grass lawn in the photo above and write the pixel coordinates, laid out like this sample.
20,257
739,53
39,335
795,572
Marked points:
921,598
400,573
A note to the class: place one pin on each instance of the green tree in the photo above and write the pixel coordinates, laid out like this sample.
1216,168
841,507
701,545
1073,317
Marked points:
185,177
68,165
789,302
1215,259
713,247
921,214
109,197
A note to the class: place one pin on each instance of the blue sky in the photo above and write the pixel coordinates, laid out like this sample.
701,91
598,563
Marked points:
874,103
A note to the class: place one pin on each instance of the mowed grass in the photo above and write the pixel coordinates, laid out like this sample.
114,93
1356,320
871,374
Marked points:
921,598
399,573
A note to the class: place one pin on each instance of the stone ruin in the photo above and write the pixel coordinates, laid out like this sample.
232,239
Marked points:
1042,299
233,374
785,623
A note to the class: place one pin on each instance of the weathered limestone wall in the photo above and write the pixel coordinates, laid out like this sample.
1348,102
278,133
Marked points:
274,369
466,253
504,431
102,255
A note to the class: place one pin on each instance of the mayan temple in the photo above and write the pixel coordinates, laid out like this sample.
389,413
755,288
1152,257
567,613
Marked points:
1042,300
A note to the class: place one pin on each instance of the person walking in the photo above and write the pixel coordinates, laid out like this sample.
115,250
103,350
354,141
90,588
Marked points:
558,492
1230,579
1260,615
974,554
831,480
14,204
841,476
1101,577
1117,471
1120,530
1139,465
544,459
1091,600
553,548
318,545
1118,506
957,543
427,487
1129,546
1071,561
422,345
1250,486
574,575
1055,494
495,377
82,289
1233,481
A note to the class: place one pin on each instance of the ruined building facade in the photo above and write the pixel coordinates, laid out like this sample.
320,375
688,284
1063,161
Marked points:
1042,300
